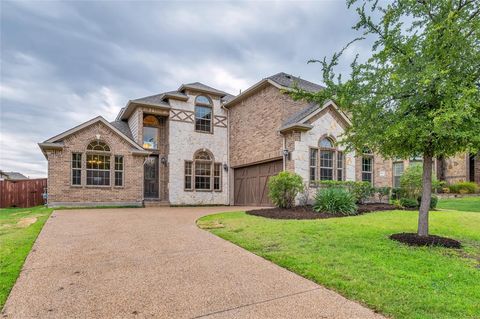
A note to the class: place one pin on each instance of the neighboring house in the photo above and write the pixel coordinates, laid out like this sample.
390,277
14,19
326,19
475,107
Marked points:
202,146
11,176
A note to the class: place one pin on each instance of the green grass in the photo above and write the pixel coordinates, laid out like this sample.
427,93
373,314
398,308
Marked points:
469,204
16,242
354,256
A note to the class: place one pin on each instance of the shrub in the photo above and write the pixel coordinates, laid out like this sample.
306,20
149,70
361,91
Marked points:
382,192
463,188
360,190
411,181
408,202
433,201
283,188
335,201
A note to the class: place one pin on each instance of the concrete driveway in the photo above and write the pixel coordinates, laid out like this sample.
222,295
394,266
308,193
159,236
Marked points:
155,263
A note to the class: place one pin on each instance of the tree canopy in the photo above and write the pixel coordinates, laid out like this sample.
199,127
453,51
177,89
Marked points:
419,92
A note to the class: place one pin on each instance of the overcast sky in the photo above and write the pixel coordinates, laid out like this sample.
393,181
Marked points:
63,63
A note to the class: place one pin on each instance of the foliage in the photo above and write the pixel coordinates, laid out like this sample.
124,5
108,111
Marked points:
360,190
463,188
411,181
420,86
433,202
408,202
335,201
304,196
354,257
16,242
283,188
383,192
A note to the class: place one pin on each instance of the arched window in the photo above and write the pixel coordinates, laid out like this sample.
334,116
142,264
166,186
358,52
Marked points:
326,161
98,164
151,131
203,114
202,173
98,146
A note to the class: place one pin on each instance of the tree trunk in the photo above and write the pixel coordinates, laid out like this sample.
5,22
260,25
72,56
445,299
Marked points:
426,196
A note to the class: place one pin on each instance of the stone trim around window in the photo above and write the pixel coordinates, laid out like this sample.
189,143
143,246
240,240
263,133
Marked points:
214,176
327,145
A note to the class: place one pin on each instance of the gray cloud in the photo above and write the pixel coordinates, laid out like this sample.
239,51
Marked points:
65,62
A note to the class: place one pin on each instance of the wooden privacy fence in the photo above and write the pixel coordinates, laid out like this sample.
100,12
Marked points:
22,193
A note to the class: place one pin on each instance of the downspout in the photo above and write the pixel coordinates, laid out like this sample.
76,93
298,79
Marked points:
283,155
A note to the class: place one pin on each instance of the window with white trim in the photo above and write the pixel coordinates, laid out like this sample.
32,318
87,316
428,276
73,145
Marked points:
118,170
367,168
77,169
313,165
203,114
340,166
98,164
203,173
398,168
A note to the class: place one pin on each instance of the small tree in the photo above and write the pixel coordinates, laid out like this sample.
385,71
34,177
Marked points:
284,188
419,92
411,182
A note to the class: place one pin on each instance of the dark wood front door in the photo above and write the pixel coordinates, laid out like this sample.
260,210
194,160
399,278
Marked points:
151,177
251,183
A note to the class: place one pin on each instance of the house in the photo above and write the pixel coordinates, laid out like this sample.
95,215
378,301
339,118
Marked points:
198,145
11,176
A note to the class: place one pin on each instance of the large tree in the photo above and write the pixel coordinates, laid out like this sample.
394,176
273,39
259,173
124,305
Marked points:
418,94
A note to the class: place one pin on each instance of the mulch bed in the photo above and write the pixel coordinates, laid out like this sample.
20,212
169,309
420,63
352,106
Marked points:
307,212
413,239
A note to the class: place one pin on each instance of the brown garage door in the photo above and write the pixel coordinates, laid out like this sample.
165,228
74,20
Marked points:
251,183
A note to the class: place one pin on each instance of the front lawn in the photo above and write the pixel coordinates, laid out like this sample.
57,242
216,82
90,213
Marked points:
468,204
354,256
19,227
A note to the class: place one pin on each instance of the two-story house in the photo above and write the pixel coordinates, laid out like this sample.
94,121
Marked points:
202,146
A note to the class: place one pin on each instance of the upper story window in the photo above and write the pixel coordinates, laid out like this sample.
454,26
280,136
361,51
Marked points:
203,114
151,132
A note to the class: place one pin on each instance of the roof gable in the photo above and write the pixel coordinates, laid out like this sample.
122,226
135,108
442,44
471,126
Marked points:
282,81
306,117
115,128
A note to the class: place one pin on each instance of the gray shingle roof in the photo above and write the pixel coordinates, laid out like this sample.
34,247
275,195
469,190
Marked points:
156,99
290,81
298,116
203,87
123,127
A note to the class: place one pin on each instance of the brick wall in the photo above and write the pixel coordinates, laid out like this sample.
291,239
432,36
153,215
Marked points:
254,124
60,190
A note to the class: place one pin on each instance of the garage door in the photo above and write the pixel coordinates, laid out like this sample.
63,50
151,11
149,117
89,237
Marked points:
251,183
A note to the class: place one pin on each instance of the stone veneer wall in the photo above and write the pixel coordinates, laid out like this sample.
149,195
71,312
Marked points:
62,193
254,124
325,123
456,168
184,143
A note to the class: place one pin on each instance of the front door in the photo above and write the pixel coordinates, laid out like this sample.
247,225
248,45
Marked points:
151,177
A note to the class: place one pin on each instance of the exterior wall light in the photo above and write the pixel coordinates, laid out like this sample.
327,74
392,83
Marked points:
225,167
163,160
